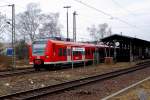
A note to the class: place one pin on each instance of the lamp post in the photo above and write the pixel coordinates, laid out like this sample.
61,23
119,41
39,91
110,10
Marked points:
74,26
67,7
13,34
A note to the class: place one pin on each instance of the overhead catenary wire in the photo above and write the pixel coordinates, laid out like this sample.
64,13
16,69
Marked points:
104,13
117,4
96,9
107,14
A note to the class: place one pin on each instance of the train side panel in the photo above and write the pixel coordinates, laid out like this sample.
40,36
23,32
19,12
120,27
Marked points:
59,53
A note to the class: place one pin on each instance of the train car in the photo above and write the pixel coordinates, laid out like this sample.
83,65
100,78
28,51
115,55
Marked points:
50,53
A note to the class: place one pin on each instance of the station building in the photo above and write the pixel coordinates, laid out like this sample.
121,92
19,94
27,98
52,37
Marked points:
130,48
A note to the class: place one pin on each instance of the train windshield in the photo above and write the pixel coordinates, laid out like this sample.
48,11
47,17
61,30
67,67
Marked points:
38,47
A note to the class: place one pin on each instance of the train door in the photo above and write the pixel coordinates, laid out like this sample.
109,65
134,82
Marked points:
68,54
83,54
96,56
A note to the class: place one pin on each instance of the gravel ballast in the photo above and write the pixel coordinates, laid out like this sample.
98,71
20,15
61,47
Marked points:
99,90
25,82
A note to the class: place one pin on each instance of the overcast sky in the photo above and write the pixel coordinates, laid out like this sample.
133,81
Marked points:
134,12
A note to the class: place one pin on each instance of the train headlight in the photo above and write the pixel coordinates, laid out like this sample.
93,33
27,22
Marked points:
47,56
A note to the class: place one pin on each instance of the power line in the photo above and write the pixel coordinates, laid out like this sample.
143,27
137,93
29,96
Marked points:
116,3
104,13
107,14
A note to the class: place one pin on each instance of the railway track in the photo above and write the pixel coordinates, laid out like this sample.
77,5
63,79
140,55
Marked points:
30,94
31,70
16,72
9,73
23,71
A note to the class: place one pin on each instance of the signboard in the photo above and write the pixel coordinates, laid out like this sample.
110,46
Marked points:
78,49
9,52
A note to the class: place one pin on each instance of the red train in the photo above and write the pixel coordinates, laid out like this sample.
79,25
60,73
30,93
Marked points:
53,52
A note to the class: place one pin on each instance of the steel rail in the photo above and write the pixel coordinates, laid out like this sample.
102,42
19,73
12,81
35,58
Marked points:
10,73
30,94
16,72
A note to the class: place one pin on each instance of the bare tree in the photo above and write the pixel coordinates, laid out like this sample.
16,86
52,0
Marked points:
102,29
50,26
93,32
28,22
2,25
109,32
32,23
99,32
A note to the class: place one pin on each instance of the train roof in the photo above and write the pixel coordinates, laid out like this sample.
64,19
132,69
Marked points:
71,43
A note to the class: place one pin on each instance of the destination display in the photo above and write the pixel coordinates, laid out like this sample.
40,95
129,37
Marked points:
78,49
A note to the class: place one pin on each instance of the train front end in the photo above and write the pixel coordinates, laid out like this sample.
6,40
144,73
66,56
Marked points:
39,54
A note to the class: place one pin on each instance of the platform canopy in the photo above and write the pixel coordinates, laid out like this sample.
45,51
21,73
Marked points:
126,40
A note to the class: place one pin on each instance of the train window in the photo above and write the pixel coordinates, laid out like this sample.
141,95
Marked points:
93,51
38,48
86,52
75,53
89,52
83,52
39,42
65,52
60,52
79,52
